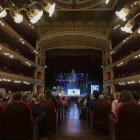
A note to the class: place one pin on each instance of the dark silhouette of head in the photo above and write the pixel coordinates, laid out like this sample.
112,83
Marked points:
17,96
125,96
48,94
96,94
136,96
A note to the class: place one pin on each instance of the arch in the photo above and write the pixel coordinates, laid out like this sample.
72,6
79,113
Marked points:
48,41
75,47
49,35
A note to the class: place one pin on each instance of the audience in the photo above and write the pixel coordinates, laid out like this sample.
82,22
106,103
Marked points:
116,97
96,95
125,96
136,97
25,98
16,97
44,106
34,103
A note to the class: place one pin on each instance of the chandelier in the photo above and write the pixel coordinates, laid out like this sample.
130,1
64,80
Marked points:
33,13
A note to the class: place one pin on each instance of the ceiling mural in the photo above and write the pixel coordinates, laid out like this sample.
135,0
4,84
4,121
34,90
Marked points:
68,5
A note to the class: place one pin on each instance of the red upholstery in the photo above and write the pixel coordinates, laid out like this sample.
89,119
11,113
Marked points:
2,122
127,125
18,122
101,110
48,106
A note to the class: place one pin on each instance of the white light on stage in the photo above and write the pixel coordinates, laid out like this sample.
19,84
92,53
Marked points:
73,92
94,87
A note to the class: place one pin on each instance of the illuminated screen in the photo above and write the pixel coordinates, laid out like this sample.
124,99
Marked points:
73,92
94,87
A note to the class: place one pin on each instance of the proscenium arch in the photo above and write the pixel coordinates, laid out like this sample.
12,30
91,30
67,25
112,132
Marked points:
75,47
48,36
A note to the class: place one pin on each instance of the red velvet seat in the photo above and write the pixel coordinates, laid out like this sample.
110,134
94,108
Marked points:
18,122
127,125
2,122
101,110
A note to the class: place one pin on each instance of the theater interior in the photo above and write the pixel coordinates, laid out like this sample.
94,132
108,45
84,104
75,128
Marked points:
69,69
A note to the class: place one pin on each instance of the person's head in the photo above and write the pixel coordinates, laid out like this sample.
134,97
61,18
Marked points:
88,96
48,94
41,96
1,95
57,97
136,96
17,96
34,98
25,97
125,96
96,94
107,97
116,95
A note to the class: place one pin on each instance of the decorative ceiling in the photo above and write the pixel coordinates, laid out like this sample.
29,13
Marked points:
74,42
76,24
67,5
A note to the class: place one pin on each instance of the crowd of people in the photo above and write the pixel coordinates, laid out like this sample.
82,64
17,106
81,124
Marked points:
116,100
42,106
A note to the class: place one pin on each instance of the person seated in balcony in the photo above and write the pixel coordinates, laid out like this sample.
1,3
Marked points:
125,96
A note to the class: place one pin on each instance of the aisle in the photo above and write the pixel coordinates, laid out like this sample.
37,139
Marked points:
74,129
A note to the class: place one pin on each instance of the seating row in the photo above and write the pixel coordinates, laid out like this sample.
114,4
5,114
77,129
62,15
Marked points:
124,126
16,122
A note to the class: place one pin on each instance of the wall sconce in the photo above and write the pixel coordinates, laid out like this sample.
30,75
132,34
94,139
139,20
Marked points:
128,27
33,13
122,14
107,1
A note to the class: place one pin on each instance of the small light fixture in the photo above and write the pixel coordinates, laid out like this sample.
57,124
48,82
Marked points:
107,1
18,18
139,31
128,27
2,23
122,14
50,9
3,12
35,16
